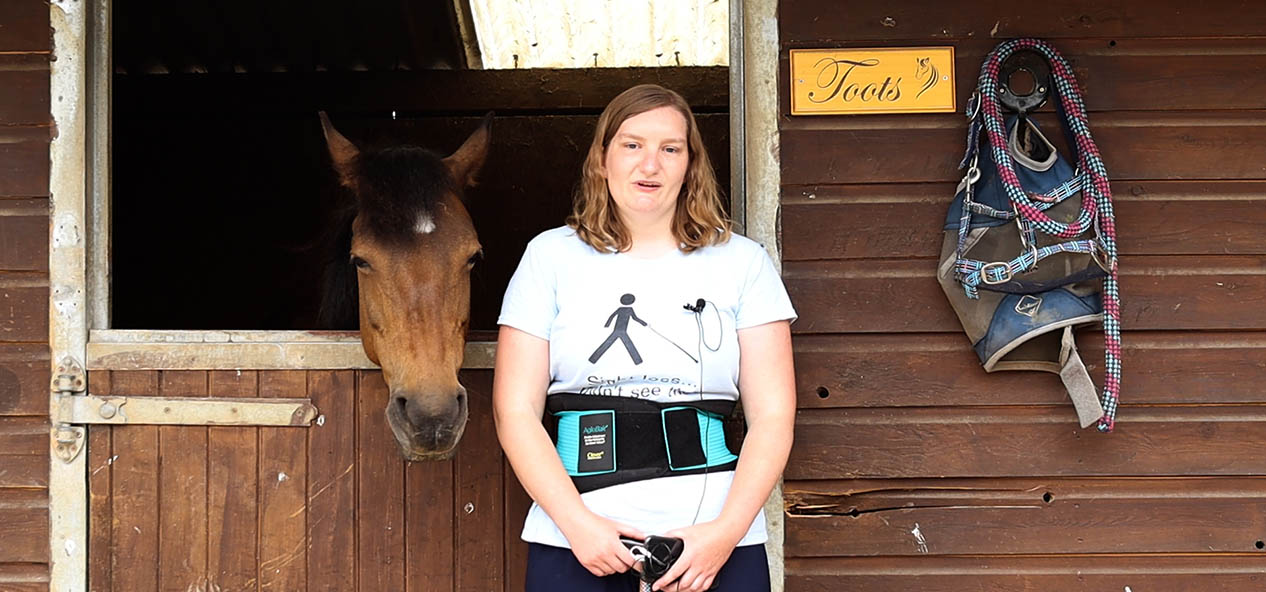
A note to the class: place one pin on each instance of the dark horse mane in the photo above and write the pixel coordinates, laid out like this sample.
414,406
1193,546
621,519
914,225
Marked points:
395,186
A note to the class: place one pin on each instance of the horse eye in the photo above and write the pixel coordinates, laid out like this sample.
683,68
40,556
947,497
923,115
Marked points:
360,263
479,255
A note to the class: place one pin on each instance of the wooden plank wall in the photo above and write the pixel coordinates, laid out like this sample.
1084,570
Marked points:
25,124
912,468
327,507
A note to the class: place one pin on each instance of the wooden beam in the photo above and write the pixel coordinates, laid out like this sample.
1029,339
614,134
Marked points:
232,350
149,410
472,92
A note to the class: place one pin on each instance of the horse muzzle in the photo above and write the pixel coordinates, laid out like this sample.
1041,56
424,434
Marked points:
427,426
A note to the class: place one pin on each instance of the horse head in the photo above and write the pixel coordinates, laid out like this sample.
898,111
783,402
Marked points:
412,245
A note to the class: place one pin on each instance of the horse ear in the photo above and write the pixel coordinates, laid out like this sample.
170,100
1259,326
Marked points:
342,151
470,157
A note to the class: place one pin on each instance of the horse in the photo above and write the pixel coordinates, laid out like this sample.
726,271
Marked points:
405,249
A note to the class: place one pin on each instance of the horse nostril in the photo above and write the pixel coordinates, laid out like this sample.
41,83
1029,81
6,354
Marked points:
402,405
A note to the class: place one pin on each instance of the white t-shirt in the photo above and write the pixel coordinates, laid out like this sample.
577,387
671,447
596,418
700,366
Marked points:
617,326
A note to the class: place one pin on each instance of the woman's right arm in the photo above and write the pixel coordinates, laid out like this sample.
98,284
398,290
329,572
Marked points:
519,384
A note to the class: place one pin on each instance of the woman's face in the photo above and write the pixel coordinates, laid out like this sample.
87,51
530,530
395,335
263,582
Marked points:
645,165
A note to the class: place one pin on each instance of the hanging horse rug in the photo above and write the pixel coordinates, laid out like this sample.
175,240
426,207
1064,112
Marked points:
1030,245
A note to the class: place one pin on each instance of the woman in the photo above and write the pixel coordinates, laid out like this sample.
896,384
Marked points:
636,326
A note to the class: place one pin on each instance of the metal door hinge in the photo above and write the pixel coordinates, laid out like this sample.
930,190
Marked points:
68,380
70,440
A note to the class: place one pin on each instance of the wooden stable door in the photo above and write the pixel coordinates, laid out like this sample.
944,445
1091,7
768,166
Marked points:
330,506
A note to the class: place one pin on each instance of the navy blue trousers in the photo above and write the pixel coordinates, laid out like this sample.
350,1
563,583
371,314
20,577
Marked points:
550,569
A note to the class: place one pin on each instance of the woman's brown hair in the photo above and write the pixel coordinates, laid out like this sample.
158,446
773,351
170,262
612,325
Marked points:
699,219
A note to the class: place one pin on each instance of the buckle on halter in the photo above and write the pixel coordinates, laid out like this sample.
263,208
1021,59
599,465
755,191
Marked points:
1006,273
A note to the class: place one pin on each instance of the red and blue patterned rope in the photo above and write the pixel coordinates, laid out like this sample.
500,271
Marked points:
1096,204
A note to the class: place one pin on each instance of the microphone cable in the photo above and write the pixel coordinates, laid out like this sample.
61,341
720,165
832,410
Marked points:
700,344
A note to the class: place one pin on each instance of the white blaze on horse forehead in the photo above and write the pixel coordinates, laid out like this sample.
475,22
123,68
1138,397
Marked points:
425,224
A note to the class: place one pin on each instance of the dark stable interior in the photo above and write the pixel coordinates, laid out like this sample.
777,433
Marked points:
222,190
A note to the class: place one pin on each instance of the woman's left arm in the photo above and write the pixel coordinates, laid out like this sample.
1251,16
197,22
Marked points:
767,389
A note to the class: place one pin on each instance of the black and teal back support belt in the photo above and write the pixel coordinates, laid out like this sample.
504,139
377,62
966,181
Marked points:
605,441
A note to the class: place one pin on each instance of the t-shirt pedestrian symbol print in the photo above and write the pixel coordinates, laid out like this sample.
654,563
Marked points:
621,317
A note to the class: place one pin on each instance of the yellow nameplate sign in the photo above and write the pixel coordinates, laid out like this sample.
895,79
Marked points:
861,81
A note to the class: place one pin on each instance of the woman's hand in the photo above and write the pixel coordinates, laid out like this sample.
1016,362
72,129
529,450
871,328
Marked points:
595,541
767,383
518,401
707,547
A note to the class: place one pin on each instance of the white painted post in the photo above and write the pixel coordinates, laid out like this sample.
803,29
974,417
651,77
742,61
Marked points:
68,326
762,187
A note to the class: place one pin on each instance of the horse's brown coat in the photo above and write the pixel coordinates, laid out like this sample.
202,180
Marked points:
414,299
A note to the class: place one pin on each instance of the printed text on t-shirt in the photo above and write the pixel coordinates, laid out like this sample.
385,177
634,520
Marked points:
614,387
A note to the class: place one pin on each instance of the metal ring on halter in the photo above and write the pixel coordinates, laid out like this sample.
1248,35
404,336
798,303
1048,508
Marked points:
1100,256
969,181
974,101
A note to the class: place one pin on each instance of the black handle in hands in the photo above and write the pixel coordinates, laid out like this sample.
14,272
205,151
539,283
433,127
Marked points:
663,552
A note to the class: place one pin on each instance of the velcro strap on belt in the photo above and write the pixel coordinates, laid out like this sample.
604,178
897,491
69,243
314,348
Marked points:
605,441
